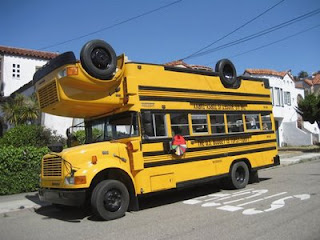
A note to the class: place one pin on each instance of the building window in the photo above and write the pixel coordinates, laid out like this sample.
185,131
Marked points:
276,96
287,98
272,97
217,124
179,124
281,97
199,123
235,123
16,71
252,122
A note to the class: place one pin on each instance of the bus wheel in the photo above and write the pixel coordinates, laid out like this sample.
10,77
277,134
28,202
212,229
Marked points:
99,59
110,200
239,175
227,73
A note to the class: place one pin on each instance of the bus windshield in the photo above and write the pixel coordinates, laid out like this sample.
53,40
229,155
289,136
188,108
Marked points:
123,125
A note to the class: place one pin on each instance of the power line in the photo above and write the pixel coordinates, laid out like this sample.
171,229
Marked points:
111,26
260,33
223,37
280,40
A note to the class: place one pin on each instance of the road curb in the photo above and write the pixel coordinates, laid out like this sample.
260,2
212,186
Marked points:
284,162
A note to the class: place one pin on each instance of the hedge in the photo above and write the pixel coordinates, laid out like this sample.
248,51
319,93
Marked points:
20,168
30,135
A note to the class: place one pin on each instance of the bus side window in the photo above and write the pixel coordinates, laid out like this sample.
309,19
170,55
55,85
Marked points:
154,125
252,122
199,123
235,123
266,122
217,124
179,124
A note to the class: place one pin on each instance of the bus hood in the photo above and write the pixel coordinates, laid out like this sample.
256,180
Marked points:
83,154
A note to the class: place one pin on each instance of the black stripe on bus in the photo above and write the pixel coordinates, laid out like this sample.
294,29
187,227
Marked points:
200,100
209,111
203,158
209,137
196,149
165,89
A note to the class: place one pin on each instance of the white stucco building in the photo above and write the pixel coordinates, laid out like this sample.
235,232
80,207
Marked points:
291,130
17,67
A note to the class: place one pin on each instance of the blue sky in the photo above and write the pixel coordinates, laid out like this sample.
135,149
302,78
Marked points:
171,33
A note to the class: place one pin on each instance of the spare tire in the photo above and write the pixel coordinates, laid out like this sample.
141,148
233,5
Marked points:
99,59
227,73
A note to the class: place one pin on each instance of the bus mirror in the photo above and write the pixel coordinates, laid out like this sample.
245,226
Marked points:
72,141
68,132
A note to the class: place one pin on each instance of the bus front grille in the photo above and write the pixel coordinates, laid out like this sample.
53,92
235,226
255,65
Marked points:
48,95
52,167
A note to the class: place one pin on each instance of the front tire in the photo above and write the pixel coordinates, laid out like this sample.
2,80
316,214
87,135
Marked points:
110,200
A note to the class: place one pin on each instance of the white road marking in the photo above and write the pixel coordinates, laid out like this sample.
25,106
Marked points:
258,193
215,200
261,199
302,196
230,208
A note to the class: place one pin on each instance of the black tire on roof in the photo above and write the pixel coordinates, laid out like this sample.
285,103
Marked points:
99,59
227,73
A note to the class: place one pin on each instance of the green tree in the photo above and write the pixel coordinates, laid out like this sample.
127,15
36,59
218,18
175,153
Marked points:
20,110
303,74
309,108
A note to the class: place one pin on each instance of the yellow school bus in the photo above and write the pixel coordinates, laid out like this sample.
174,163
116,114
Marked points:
150,128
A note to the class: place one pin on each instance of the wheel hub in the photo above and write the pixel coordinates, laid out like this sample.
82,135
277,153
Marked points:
112,200
100,58
240,175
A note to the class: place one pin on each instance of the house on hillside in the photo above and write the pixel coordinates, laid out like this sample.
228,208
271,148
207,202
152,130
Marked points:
311,84
291,130
17,67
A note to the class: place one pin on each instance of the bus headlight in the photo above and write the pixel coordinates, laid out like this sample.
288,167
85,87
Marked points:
69,180
77,180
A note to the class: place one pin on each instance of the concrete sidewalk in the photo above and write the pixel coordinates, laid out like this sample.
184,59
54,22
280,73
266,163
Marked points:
31,200
11,203
293,157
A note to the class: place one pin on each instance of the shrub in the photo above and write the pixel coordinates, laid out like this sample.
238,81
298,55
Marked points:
20,168
30,135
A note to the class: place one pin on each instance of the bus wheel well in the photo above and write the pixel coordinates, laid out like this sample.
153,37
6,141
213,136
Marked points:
121,176
242,160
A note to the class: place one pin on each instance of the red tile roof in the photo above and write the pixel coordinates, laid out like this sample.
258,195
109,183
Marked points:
180,63
177,63
308,81
27,52
316,79
267,72
299,85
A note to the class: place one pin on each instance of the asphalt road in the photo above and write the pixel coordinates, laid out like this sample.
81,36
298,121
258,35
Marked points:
285,204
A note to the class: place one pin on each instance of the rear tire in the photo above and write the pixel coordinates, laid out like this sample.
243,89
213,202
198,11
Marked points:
238,176
110,200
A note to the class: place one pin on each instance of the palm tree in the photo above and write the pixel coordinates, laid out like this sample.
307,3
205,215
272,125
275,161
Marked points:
20,110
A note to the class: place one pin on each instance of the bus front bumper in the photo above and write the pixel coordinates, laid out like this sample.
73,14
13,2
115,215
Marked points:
64,197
